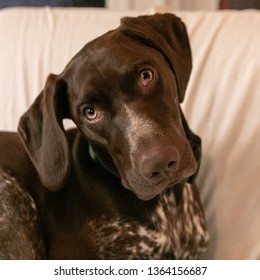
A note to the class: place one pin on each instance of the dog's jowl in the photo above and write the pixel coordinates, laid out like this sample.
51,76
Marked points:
121,184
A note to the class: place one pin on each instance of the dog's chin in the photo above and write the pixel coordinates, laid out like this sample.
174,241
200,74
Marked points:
146,196
147,192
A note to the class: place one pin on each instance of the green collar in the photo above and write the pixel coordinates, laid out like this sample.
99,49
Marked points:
92,154
95,158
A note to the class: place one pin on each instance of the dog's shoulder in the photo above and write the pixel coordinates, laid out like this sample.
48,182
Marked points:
20,236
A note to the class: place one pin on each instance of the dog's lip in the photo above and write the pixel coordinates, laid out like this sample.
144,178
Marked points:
148,192
151,192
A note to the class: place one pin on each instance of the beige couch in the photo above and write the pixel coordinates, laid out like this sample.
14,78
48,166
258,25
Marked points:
222,102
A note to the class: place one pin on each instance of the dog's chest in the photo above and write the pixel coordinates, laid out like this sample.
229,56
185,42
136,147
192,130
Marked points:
172,232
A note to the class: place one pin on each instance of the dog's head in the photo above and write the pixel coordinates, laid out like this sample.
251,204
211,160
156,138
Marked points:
123,91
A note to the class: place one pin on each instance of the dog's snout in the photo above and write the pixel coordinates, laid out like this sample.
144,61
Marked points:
163,164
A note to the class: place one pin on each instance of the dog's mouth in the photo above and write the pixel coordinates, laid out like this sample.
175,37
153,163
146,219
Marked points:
149,192
145,189
146,192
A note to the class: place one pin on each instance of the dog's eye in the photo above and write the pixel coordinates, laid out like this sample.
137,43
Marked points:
146,76
90,113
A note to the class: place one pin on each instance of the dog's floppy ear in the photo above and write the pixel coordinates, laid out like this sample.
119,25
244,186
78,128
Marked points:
167,34
43,136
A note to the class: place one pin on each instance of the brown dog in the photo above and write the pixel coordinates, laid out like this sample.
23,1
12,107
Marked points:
119,186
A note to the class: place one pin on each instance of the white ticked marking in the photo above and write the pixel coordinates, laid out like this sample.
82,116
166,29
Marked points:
172,230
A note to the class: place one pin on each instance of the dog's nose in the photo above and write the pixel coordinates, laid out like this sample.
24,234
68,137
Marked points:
157,165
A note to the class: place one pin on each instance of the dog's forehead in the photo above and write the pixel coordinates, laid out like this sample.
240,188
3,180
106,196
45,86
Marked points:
113,61
115,51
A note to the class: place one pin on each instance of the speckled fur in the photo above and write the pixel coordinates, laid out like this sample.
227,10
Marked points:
173,231
19,230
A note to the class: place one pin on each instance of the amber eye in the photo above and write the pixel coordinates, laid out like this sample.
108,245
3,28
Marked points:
146,76
90,113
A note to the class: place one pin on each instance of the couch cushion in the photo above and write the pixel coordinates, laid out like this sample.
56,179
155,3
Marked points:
222,105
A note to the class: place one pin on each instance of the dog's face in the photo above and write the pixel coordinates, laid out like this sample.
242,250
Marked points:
123,94
124,100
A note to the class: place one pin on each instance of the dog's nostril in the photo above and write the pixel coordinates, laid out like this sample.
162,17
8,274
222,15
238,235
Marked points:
171,164
158,166
155,174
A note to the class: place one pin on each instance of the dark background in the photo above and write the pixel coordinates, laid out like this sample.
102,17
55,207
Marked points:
239,4
53,3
